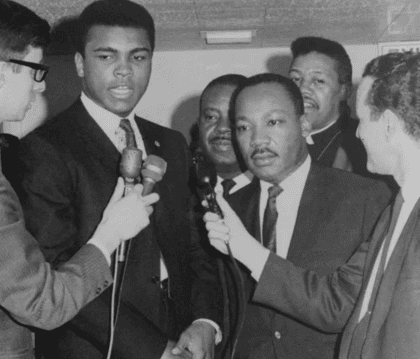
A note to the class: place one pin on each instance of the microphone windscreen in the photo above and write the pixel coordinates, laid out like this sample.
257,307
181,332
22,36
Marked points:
131,161
154,167
153,170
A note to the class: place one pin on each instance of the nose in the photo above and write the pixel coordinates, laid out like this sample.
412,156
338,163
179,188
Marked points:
223,125
123,69
305,87
259,137
39,86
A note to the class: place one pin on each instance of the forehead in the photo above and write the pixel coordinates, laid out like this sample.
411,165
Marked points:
266,97
35,54
117,37
218,93
315,62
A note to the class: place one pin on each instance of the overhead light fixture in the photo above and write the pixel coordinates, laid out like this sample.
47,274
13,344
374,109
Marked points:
228,37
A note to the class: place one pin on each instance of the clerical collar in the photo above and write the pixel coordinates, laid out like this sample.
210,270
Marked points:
309,139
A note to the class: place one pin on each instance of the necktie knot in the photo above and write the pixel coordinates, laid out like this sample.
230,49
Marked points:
274,191
129,133
227,185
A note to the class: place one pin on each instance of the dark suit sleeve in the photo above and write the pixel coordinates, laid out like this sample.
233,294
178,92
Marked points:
30,290
324,302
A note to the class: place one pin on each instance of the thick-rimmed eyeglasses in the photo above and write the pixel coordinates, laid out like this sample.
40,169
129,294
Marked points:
40,69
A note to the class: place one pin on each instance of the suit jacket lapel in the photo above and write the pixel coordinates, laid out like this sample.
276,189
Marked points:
307,217
88,131
249,214
389,280
153,145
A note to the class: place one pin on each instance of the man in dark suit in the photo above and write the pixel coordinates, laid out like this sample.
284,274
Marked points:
375,295
70,166
323,72
321,214
215,133
30,290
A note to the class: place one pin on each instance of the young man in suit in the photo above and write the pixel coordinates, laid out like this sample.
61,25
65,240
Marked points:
30,290
319,217
215,133
374,296
169,280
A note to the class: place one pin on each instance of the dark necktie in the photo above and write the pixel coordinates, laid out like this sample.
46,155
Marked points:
227,185
270,218
129,133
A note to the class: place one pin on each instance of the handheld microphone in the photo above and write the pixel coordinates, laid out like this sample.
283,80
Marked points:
206,181
130,167
152,172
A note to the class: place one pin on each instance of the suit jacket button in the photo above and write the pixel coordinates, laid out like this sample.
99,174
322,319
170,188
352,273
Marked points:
98,291
156,279
106,284
277,334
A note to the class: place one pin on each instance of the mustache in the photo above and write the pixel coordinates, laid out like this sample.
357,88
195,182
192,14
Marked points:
310,100
220,137
261,150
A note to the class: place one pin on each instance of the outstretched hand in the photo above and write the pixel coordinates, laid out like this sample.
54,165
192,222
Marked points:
124,217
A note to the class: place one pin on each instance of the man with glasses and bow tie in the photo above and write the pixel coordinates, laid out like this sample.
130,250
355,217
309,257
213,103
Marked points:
294,209
70,165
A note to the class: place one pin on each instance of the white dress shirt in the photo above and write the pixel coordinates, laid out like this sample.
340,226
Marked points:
410,193
287,205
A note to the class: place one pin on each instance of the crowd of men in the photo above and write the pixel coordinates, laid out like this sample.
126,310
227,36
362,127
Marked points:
326,243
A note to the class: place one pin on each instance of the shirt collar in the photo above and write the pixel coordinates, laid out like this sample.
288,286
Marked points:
310,140
411,189
107,120
295,180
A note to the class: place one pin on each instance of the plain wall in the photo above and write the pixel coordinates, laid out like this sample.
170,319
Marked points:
176,82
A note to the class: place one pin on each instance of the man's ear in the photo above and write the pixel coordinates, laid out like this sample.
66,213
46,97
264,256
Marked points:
80,68
392,122
305,125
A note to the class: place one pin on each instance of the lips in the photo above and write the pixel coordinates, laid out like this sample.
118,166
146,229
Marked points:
310,104
221,143
121,91
263,157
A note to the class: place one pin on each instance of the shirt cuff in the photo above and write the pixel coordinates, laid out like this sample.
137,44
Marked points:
218,336
259,264
100,245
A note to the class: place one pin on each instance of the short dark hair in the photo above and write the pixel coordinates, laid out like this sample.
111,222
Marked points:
288,85
396,87
225,80
334,50
120,13
20,28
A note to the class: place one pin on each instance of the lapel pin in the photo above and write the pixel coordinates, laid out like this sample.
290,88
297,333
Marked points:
157,144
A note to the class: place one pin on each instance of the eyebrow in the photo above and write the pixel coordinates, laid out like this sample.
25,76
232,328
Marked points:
111,49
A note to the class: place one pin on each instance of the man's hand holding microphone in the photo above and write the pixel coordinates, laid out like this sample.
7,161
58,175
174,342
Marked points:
123,218
230,230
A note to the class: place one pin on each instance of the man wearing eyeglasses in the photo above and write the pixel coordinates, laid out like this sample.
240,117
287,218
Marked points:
30,290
